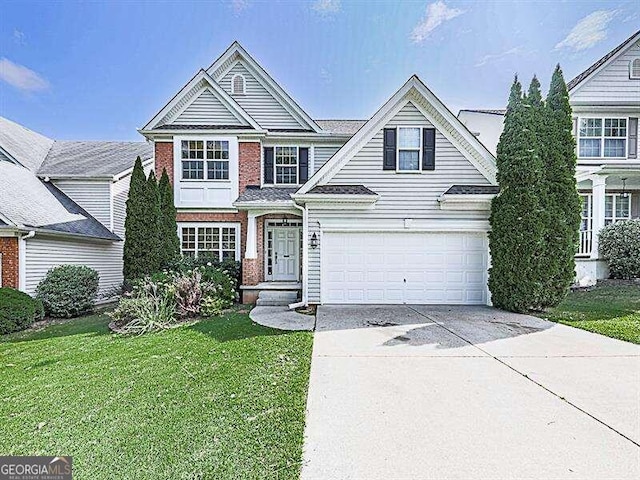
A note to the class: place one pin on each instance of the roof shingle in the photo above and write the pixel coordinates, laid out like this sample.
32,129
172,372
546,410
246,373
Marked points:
341,190
255,194
473,190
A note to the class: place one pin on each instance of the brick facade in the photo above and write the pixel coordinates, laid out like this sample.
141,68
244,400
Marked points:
249,157
10,262
164,159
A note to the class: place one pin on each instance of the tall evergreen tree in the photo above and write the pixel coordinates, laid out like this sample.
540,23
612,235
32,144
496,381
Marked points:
169,241
135,243
517,231
562,201
153,225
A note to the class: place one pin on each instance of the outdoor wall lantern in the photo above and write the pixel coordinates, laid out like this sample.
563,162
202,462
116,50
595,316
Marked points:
314,241
624,188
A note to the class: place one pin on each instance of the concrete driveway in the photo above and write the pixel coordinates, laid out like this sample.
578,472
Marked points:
438,392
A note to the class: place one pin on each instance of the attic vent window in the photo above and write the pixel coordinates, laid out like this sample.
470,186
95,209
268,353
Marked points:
237,85
634,69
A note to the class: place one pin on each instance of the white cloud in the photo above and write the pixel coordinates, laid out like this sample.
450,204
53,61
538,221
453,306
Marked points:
589,31
325,75
493,57
239,6
327,7
21,77
437,13
19,37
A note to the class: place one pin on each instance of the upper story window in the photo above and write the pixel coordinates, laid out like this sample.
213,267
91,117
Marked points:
634,69
286,165
409,149
196,152
602,138
237,84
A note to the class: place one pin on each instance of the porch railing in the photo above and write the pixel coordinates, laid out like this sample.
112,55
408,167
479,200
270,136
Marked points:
585,243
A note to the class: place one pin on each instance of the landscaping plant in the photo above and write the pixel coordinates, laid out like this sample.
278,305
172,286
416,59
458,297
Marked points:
169,247
68,290
619,244
137,227
18,310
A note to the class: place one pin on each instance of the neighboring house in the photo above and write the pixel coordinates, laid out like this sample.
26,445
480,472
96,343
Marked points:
605,99
389,210
62,202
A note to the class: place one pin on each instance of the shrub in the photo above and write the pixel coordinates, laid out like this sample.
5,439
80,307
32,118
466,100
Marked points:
68,290
231,267
620,246
18,310
152,309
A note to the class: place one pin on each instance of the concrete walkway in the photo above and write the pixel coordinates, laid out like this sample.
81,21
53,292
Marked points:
282,318
400,392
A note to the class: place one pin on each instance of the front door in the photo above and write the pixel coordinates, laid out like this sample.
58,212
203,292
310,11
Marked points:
286,248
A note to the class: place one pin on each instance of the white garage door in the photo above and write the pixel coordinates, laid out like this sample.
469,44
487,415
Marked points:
445,268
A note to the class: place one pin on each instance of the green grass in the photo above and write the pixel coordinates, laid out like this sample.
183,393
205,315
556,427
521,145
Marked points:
223,398
613,311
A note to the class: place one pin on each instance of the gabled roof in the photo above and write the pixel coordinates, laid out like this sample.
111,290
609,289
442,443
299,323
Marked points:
236,52
187,93
22,145
608,58
28,202
92,159
434,110
341,127
495,111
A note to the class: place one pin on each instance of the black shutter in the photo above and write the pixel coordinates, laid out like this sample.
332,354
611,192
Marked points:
389,149
268,164
633,137
428,149
303,165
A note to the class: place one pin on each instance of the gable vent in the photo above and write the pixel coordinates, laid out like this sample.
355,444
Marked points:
634,69
237,84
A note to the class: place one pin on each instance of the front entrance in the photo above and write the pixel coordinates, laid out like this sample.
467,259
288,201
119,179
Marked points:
283,253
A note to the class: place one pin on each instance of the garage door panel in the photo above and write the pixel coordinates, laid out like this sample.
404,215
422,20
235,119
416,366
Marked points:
404,267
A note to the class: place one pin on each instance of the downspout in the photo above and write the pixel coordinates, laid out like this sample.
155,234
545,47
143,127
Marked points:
22,259
305,255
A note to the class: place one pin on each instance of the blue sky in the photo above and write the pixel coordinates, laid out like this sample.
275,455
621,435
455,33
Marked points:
99,70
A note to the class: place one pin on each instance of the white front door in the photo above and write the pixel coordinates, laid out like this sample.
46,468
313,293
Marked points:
286,249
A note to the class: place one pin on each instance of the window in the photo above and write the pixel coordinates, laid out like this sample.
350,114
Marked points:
286,165
208,241
617,207
587,219
409,151
602,137
634,69
193,159
237,85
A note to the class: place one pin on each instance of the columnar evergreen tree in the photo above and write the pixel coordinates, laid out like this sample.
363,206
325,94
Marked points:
517,230
169,241
135,244
153,226
562,201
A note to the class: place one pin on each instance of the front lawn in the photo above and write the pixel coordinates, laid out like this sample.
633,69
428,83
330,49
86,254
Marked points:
612,310
223,398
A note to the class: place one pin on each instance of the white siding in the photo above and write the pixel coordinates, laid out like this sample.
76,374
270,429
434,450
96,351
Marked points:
43,253
120,195
321,155
612,83
402,195
263,107
93,196
207,109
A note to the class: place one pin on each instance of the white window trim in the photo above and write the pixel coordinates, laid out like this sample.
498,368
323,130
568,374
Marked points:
220,225
233,84
205,160
613,218
275,166
631,75
419,149
602,138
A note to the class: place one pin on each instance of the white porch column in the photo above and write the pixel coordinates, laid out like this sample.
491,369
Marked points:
251,250
597,211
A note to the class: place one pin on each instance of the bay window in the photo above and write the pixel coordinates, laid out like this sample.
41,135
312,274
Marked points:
286,165
602,138
209,241
194,154
409,149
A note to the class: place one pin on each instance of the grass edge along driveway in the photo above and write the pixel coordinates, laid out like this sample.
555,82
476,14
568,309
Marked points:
223,398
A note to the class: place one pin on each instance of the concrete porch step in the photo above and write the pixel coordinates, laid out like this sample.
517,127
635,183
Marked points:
274,298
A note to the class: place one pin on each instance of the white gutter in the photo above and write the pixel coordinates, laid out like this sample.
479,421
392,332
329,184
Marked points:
22,259
305,256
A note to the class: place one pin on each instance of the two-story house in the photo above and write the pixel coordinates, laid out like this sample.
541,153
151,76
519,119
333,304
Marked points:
605,99
389,210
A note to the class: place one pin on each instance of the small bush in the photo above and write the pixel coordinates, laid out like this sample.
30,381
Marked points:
153,309
68,290
620,246
231,267
18,310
